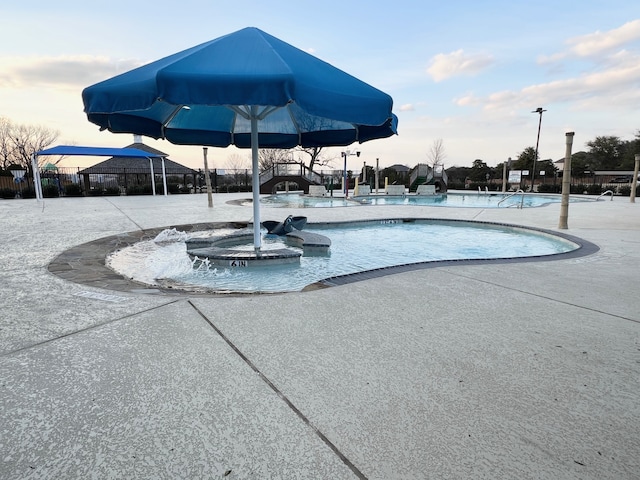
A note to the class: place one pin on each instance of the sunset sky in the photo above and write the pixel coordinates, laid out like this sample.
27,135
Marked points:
468,73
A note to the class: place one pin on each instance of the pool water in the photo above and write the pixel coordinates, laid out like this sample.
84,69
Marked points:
473,200
355,247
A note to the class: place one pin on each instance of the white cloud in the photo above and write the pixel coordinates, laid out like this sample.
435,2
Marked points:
407,107
457,63
62,71
597,43
614,86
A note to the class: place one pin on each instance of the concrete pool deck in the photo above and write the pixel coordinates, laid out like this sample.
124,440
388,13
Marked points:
518,370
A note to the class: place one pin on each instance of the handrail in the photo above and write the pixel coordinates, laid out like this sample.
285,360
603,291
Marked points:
608,192
513,194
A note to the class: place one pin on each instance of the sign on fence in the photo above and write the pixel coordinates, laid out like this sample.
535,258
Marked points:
515,176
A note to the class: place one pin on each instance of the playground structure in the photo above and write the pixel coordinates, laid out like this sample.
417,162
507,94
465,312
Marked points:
423,174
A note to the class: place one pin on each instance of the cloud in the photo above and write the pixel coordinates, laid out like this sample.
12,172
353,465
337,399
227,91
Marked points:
611,83
597,43
62,71
614,86
457,63
407,107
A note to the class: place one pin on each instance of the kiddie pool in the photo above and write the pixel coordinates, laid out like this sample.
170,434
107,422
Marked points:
370,248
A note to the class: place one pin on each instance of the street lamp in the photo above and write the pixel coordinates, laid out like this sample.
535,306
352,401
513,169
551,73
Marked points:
539,110
344,155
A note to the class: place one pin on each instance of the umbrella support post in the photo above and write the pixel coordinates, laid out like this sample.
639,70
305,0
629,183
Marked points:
255,180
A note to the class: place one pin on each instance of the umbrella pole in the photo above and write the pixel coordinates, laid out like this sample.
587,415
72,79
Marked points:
255,181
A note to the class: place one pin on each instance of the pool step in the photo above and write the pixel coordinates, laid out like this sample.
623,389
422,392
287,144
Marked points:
220,251
229,257
309,242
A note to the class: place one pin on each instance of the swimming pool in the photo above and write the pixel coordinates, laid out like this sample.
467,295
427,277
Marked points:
471,200
355,247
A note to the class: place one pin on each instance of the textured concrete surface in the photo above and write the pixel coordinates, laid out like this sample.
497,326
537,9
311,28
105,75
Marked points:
521,370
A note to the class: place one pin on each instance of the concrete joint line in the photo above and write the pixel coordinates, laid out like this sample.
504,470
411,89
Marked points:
582,307
273,387
86,329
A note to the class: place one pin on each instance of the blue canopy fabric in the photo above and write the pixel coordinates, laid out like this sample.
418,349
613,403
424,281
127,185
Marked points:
247,89
95,151
199,97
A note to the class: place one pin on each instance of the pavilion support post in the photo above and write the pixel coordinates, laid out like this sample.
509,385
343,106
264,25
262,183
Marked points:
153,177
37,183
164,178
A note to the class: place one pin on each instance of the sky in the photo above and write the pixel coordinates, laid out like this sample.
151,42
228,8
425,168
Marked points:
468,74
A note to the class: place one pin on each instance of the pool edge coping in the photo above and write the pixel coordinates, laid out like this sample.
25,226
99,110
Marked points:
85,264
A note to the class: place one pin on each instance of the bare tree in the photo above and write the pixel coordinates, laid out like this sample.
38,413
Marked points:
237,163
436,153
317,157
28,139
6,145
268,157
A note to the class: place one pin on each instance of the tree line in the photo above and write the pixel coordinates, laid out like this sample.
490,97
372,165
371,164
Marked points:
19,141
604,153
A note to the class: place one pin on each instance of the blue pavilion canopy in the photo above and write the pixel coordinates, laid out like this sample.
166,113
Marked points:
96,152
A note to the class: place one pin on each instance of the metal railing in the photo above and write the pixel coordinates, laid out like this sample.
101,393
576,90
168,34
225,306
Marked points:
290,170
608,192
519,191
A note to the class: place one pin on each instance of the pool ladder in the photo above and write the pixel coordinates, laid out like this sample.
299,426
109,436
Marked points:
608,192
519,191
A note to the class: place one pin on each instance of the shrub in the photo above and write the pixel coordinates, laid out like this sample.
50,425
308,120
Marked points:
112,191
73,190
549,188
625,190
95,192
139,190
453,186
594,189
173,188
50,191
578,189
7,193
28,192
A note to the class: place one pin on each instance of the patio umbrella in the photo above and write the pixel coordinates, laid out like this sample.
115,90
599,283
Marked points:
247,89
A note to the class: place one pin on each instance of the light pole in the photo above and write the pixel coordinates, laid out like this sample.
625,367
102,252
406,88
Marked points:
539,110
634,183
344,155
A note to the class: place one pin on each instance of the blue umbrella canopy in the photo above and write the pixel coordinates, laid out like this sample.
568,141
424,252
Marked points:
247,89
